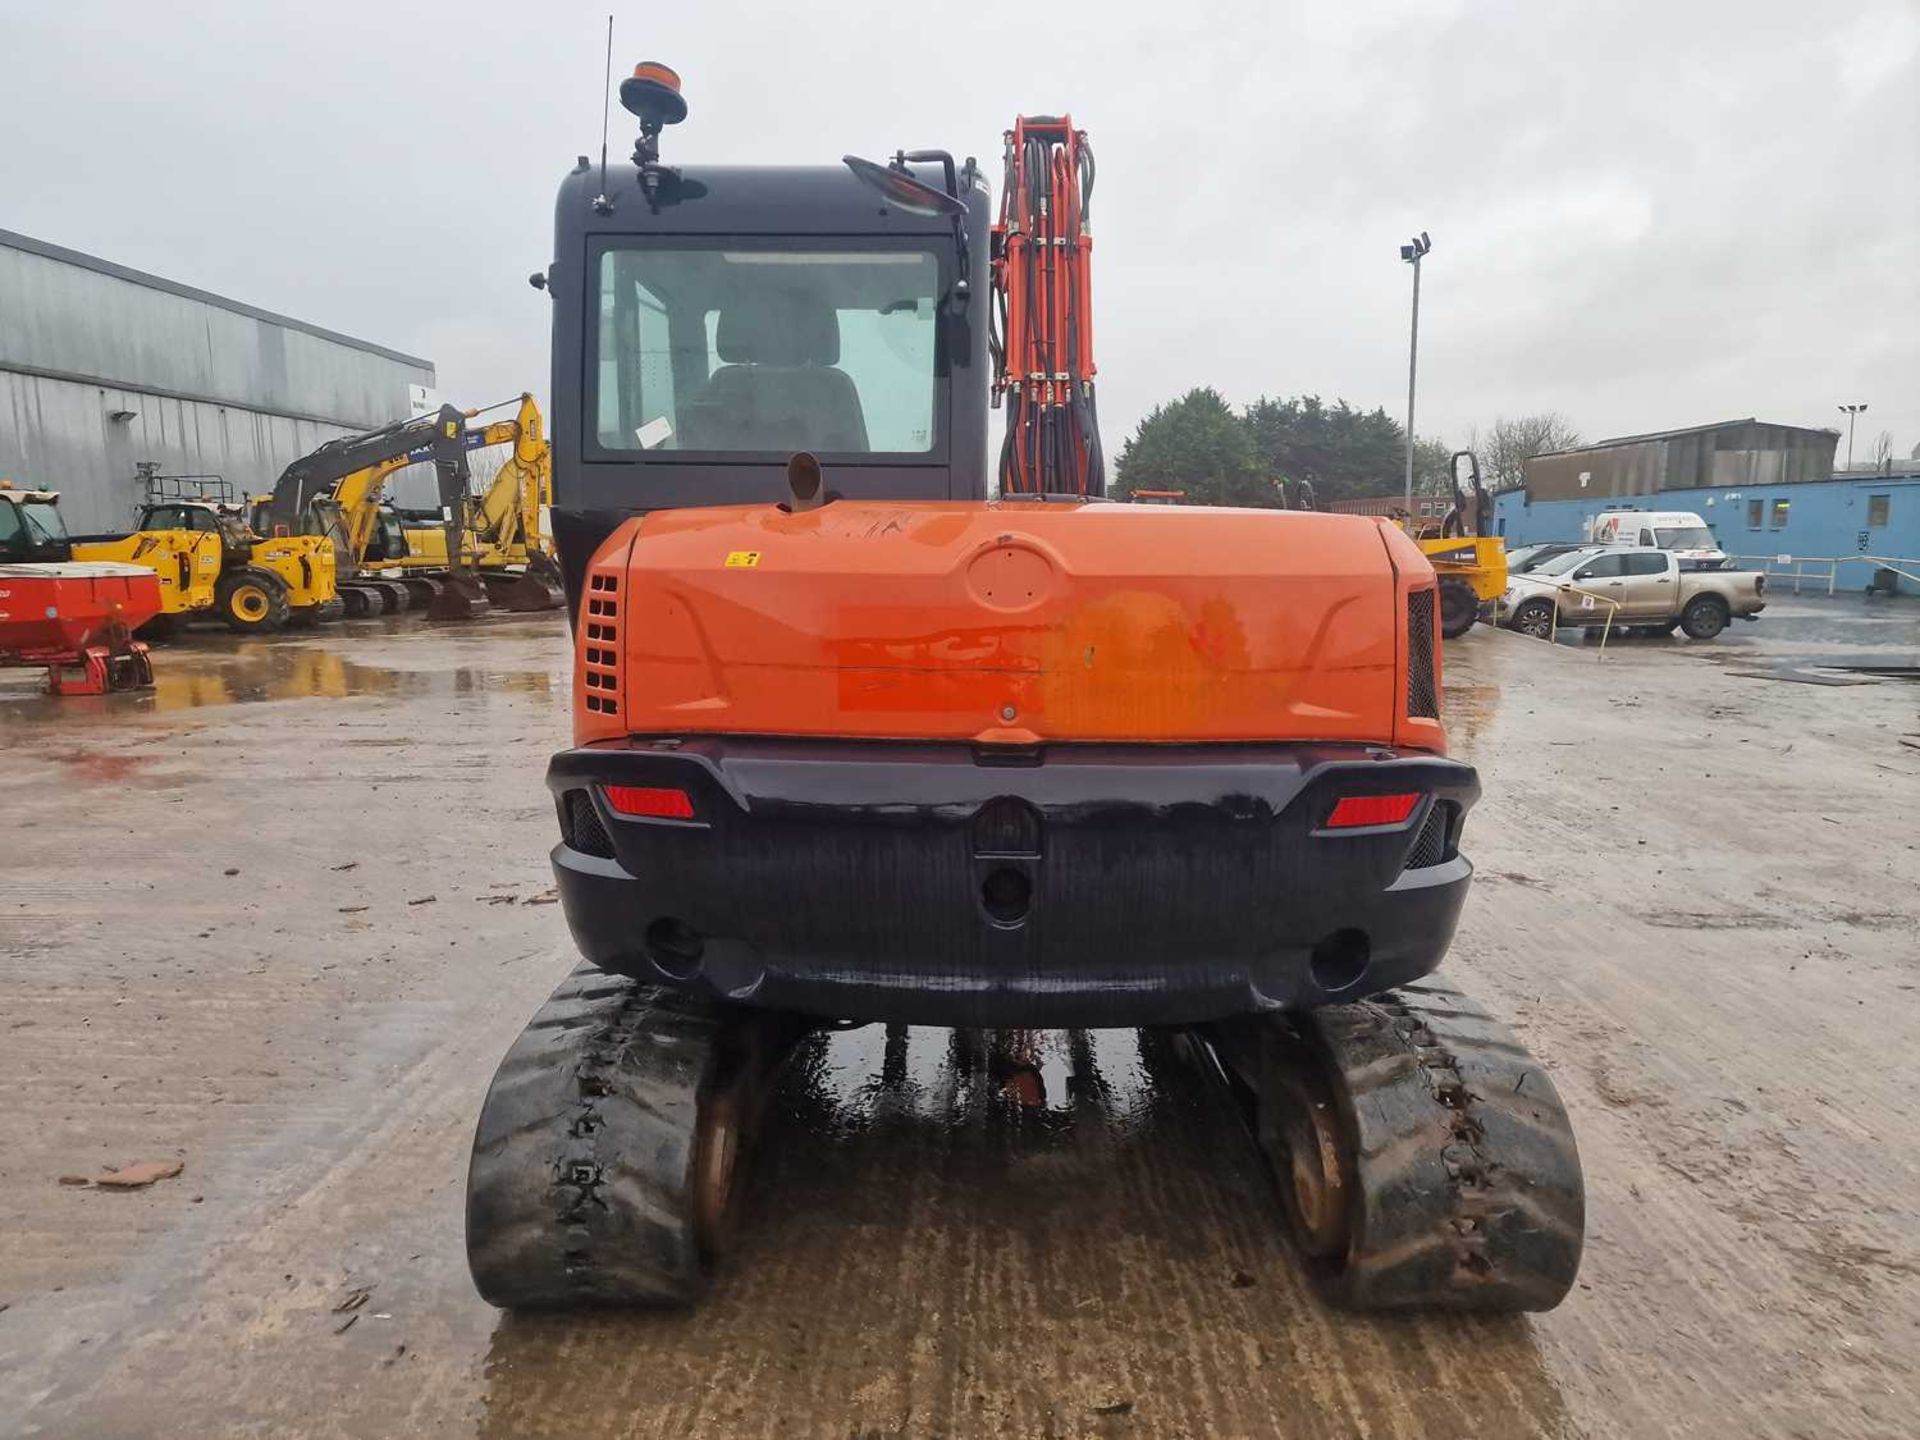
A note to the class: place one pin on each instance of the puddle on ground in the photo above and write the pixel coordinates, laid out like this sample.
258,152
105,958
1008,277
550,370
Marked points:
190,679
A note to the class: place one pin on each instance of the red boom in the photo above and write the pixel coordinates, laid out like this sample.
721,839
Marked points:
1043,313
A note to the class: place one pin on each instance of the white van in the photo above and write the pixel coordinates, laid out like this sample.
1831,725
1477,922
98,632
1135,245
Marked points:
1681,531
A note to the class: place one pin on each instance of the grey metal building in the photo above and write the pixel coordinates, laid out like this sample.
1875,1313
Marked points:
103,368
1731,453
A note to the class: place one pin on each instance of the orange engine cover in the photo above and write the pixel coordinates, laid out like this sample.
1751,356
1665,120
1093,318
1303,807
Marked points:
1013,623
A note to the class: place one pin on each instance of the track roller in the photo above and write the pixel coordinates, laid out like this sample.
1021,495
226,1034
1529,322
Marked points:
422,591
1424,1159
610,1148
394,599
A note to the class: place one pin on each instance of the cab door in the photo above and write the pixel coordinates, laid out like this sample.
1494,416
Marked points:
1601,579
1648,586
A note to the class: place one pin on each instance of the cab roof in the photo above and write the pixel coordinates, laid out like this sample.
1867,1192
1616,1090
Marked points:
743,200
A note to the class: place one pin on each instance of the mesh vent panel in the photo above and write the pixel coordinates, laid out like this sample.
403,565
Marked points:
581,827
1430,846
1423,696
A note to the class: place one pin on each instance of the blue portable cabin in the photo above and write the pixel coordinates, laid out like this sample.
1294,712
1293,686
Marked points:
1768,492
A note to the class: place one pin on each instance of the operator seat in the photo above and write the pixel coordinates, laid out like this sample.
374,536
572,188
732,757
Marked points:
780,388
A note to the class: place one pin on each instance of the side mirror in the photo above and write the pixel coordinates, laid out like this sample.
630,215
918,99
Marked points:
900,187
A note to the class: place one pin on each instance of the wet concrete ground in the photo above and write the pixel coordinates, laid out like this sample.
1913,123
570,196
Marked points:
281,918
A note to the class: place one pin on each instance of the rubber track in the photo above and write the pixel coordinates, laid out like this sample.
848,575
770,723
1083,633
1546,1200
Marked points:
578,1188
1469,1194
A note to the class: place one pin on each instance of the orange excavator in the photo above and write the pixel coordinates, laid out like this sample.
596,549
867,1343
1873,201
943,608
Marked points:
870,729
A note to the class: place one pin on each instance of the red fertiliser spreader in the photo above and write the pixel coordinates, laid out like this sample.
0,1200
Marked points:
77,618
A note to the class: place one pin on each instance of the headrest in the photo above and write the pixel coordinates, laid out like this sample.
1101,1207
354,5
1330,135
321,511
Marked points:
779,329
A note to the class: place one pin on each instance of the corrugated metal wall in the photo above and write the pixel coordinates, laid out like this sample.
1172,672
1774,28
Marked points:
1743,452
199,384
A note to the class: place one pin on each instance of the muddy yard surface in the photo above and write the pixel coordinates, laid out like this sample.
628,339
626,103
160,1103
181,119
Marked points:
280,919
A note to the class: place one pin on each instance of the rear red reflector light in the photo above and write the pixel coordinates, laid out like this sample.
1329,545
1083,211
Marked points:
1355,811
651,802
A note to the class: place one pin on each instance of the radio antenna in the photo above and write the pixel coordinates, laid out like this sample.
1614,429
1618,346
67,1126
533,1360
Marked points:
600,202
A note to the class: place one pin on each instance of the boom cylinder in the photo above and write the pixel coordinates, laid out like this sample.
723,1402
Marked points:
1043,313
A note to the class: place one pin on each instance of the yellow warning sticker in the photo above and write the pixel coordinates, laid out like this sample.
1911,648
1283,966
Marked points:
742,559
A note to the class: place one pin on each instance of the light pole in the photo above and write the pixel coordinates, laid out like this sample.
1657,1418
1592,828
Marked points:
1851,411
1413,252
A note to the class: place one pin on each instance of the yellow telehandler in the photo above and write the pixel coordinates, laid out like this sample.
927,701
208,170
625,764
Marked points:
207,562
260,584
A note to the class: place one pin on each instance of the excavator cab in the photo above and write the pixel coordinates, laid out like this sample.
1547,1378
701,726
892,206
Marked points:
709,324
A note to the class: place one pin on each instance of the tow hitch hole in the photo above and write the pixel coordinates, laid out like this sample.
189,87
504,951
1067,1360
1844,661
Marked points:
674,946
1340,959
1007,895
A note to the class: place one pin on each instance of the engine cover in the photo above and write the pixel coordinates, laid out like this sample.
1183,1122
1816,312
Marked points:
1005,623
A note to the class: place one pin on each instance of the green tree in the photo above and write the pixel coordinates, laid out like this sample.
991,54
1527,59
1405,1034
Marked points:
1343,452
1199,446
1432,468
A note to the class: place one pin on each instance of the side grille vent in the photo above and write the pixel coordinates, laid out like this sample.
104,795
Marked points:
1430,845
600,645
580,825
1423,696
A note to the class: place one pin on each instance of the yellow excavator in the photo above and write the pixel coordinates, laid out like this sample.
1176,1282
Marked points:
505,539
393,559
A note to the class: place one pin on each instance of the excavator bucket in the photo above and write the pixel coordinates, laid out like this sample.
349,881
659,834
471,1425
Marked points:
461,597
524,593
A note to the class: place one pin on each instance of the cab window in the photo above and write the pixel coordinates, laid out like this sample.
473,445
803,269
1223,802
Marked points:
44,525
1654,564
1646,536
182,517
1602,567
714,351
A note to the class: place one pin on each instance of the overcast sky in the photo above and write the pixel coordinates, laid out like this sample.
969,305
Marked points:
1643,214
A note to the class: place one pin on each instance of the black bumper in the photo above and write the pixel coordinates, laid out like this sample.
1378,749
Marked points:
1093,885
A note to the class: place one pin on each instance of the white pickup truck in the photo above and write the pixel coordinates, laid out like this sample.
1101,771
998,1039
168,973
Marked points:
1634,589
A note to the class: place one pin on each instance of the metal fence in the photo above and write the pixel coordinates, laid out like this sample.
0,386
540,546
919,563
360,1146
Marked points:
1823,571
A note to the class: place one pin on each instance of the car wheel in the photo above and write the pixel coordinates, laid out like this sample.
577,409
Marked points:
1705,617
1535,618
